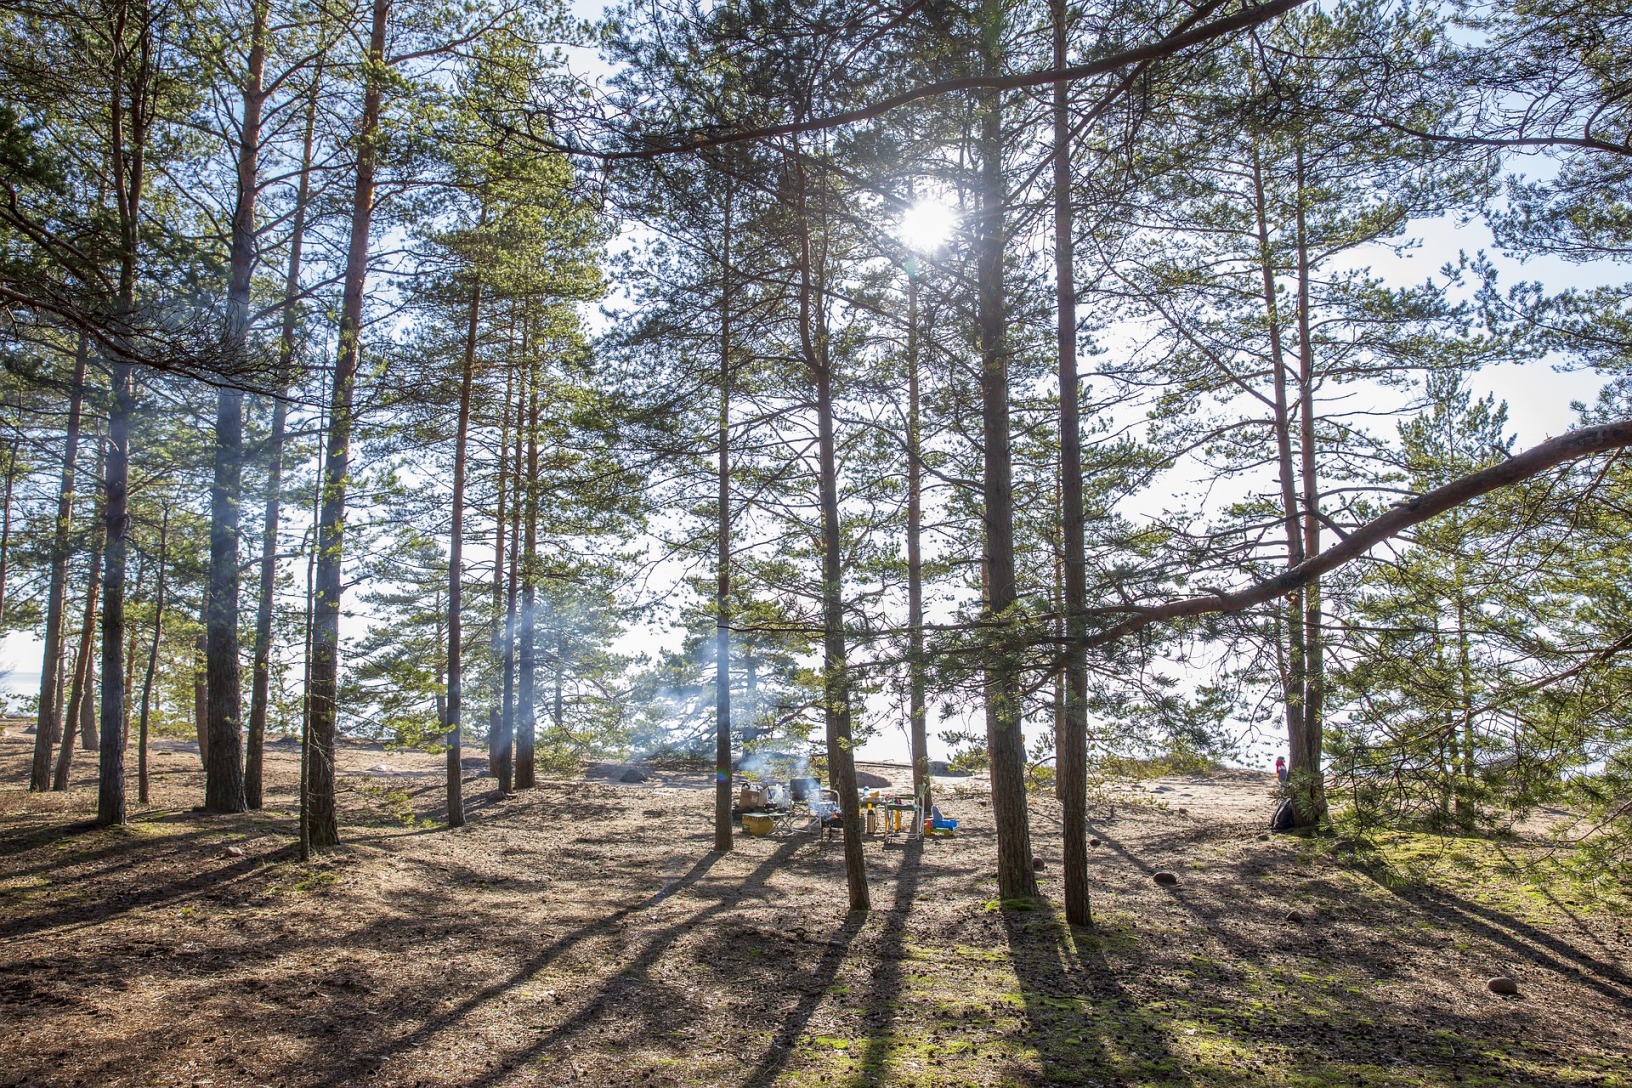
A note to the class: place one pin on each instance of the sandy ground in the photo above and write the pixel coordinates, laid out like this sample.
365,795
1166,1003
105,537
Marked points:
583,933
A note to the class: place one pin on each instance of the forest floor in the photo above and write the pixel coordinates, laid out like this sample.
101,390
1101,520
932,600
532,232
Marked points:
584,934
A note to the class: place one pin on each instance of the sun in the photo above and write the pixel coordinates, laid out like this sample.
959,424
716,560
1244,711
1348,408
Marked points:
927,224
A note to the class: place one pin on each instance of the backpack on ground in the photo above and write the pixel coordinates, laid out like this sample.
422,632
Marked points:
1285,818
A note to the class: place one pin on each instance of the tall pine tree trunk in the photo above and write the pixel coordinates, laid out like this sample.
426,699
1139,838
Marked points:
323,827
48,724
835,668
512,595
722,562
1071,755
1296,675
456,552
261,668
1308,777
917,685
495,713
224,777
1004,742
526,679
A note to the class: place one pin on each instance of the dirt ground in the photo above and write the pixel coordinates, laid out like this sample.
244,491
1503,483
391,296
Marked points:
583,933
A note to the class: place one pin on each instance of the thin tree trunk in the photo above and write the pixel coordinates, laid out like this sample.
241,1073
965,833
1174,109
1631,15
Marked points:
5,529
1005,742
1071,755
201,704
722,562
835,669
1309,794
261,669
1296,673
456,552
323,826
142,794
48,724
495,713
526,681
81,683
917,686
512,592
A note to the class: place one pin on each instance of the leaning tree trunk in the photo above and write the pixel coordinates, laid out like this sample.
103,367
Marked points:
48,723
1071,754
261,669
323,827
1005,743
835,670
73,718
152,662
722,562
456,552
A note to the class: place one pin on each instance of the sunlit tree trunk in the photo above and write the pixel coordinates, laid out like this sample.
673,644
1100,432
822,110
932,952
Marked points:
1071,754
1005,743
48,723
456,551
84,673
142,792
323,827
261,669
835,668
501,526
1309,786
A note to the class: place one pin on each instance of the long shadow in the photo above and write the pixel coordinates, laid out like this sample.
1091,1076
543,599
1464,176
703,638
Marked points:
885,993
1523,939
611,991
818,980
125,900
1071,995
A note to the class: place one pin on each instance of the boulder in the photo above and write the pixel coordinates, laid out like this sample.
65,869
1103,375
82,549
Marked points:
1501,984
1165,878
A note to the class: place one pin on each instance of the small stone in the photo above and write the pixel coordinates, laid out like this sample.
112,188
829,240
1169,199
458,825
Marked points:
1182,811
1039,864
1165,878
235,851
1501,984
1294,917
1264,836
1093,842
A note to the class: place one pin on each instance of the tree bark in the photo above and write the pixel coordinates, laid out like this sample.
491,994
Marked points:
48,724
5,528
917,686
152,661
1071,754
526,679
835,669
512,595
495,713
261,668
456,551
323,826
1305,773
79,687
1005,743
224,776
722,562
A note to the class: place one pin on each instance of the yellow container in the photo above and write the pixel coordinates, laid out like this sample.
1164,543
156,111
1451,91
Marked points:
757,824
